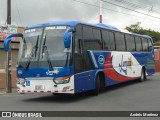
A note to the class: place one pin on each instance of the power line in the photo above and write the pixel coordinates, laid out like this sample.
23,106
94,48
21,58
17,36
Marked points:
145,5
112,10
139,5
18,12
130,9
148,14
133,4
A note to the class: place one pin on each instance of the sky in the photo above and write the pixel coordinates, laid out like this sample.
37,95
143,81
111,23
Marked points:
28,12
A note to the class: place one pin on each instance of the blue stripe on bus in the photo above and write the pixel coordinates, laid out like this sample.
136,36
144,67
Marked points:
41,72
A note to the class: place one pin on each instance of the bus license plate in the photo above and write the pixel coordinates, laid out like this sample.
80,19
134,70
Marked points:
39,87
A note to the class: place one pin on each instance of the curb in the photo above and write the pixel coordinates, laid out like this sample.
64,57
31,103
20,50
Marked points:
3,91
156,74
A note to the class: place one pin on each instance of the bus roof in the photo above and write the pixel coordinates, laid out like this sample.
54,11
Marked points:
74,23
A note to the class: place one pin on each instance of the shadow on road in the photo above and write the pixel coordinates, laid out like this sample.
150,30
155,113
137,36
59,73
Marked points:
62,98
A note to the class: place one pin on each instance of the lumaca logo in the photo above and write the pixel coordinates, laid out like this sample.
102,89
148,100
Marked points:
125,64
101,59
52,72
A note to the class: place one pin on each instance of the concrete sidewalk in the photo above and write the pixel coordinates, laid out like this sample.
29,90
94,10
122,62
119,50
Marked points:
156,74
3,91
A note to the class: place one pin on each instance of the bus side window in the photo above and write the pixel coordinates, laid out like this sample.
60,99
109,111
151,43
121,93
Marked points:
112,40
123,43
88,39
78,46
97,39
138,44
79,65
88,44
133,43
120,41
80,42
78,39
108,38
130,43
145,44
149,45
105,37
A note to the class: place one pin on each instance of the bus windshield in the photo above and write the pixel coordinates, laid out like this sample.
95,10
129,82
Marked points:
53,47
44,47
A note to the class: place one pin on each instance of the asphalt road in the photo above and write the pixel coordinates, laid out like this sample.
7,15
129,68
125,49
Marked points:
130,96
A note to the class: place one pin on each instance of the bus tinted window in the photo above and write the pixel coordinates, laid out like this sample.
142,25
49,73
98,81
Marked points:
123,42
108,38
149,45
112,42
138,44
97,34
130,44
89,42
144,44
120,41
133,43
97,38
87,33
78,38
79,30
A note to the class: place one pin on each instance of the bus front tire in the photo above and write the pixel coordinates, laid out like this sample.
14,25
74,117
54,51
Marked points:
143,75
95,92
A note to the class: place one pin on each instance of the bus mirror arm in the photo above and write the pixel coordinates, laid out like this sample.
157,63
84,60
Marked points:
9,38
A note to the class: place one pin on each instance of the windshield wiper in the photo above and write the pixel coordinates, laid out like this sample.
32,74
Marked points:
33,52
45,49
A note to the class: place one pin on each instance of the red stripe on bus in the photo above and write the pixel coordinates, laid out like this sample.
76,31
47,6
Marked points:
63,90
56,91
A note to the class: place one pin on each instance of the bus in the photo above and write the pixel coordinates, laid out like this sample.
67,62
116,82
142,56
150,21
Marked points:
69,57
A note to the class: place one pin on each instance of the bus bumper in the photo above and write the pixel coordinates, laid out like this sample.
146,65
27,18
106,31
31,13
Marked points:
45,85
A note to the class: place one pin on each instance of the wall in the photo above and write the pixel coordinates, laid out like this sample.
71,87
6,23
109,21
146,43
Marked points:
3,79
157,60
14,56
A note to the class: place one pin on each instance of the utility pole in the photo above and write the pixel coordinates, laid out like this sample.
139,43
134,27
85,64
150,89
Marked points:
100,17
9,12
8,66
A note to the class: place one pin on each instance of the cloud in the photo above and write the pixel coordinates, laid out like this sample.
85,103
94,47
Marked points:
26,12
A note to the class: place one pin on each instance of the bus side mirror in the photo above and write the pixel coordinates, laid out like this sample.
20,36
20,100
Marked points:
68,37
8,40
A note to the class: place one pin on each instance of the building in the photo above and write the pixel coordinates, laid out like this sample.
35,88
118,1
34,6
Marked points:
157,56
4,31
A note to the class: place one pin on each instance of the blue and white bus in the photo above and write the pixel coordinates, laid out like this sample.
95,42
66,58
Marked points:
71,57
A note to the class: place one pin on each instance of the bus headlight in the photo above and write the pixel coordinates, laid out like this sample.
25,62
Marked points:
21,81
62,80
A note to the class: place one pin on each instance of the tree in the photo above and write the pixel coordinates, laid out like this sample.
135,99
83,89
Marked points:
136,28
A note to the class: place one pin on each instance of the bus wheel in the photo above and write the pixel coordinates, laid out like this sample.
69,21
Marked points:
97,89
143,76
